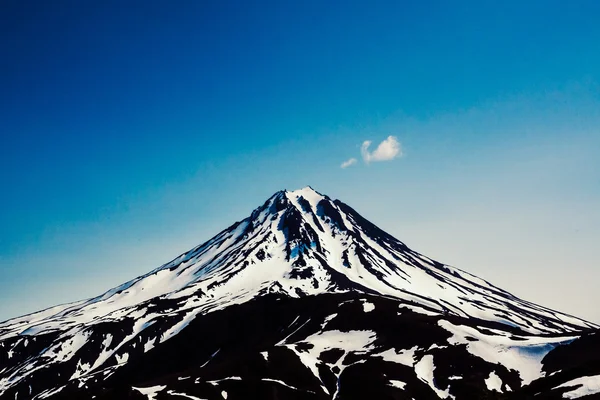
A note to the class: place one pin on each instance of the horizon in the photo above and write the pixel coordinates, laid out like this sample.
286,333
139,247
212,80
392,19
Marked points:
132,134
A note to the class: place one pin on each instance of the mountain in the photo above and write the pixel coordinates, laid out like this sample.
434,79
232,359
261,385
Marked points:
304,299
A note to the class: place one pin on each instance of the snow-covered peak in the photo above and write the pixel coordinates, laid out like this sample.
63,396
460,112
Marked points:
303,243
298,243
307,193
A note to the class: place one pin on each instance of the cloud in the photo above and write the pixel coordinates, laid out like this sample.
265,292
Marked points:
386,151
348,163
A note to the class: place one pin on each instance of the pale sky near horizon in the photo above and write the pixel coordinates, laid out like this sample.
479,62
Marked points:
131,135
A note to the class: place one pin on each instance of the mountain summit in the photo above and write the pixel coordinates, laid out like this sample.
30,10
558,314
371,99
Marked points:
295,301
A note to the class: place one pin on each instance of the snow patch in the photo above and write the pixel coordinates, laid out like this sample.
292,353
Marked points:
524,356
149,345
326,321
397,384
586,386
173,393
424,370
150,392
265,355
122,359
178,327
368,307
49,393
493,382
404,357
282,383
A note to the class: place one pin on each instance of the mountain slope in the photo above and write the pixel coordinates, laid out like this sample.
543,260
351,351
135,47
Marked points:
311,253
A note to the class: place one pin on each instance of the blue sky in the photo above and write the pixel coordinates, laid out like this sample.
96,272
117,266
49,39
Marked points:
131,133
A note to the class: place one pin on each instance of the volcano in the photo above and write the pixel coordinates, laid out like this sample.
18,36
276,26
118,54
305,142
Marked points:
304,299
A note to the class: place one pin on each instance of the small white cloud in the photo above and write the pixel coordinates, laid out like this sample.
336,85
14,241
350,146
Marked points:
348,163
386,151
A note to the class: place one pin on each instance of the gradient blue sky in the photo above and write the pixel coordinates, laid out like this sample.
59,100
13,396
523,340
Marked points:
132,132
